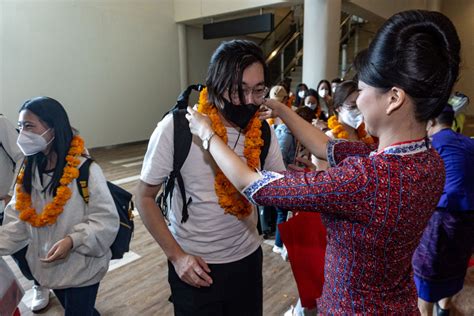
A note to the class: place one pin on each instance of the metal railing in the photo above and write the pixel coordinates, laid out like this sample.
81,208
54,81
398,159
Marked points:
289,50
290,13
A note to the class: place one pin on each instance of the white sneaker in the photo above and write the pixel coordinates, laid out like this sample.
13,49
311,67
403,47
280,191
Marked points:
290,311
277,249
284,253
40,298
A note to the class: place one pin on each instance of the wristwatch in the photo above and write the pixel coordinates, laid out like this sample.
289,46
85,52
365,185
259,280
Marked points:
205,141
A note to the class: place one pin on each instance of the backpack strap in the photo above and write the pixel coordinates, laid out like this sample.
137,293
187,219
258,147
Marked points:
182,145
83,180
266,136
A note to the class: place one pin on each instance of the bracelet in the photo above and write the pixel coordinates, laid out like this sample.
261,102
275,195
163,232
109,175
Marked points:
205,141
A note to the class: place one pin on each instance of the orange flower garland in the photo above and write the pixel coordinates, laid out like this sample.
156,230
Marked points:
52,210
339,132
229,197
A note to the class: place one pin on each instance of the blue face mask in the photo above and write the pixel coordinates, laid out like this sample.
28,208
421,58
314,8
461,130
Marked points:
240,115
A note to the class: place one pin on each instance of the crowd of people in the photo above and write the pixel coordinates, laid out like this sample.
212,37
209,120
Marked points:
374,156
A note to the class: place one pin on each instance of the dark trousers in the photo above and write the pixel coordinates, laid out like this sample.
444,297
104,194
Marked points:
267,216
236,290
78,301
20,259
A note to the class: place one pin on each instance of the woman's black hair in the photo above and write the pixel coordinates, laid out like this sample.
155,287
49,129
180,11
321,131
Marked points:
306,113
343,91
417,51
227,66
313,93
327,84
301,85
52,113
447,116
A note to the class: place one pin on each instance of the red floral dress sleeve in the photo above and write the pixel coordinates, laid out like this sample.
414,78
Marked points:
346,190
339,149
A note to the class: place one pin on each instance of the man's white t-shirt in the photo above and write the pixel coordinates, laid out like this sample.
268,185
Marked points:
208,232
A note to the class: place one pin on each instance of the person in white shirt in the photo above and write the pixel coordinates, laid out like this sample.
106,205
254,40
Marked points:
215,257
68,240
10,161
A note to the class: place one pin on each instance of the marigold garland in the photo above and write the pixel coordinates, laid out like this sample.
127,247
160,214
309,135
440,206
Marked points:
52,210
229,197
337,129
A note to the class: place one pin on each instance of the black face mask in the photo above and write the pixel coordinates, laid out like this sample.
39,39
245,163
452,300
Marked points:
240,115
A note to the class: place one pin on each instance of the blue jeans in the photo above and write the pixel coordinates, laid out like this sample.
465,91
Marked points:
78,301
281,218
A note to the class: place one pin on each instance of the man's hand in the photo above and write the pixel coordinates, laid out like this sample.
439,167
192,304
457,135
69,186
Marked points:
192,270
60,250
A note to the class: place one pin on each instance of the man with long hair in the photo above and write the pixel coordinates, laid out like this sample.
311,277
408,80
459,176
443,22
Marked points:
215,258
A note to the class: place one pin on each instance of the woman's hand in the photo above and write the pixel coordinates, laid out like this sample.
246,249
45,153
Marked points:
270,109
199,124
319,124
60,250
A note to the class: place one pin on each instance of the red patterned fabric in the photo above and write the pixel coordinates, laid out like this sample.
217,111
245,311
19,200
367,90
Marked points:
375,208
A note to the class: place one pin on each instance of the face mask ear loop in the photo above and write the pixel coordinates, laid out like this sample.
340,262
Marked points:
45,132
52,138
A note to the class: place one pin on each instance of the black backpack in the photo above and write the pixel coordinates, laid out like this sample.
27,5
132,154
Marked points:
124,205
181,150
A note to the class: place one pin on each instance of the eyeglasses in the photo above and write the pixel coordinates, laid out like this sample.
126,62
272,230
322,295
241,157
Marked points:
258,94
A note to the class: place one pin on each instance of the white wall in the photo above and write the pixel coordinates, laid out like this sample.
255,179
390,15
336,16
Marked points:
461,12
187,10
199,54
112,64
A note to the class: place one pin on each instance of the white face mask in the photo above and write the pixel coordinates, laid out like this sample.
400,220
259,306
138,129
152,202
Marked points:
301,94
353,118
31,143
323,92
312,106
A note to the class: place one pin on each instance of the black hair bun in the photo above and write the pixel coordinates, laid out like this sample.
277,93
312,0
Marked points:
418,51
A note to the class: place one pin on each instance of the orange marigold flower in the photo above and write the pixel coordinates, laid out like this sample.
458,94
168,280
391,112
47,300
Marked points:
229,198
52,210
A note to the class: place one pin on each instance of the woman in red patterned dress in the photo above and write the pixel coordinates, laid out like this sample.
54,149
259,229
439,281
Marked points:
374,200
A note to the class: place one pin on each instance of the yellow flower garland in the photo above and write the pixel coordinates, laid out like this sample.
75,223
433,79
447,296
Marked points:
52,210
229,197
338,131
